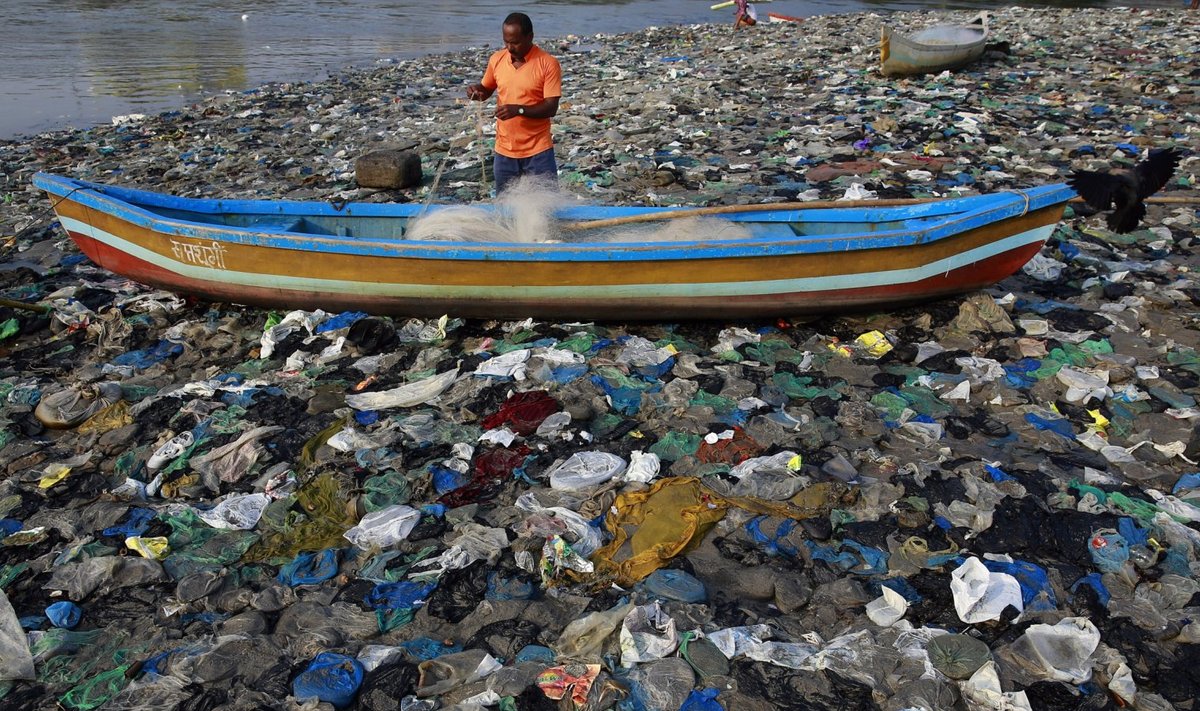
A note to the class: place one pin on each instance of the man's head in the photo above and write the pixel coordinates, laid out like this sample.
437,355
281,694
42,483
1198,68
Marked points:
518,34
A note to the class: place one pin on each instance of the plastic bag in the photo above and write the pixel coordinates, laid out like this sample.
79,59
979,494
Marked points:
584,639
410,395
332,678
667,518
1063,651
981,595
385,527
16,661
239,513
888,608
450,671
958,656
584,470
647,633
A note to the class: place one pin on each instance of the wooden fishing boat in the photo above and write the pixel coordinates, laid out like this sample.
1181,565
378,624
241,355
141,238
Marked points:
932,50
776,17
791,259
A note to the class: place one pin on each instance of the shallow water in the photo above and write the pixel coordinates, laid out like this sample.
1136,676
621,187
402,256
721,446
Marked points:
80,62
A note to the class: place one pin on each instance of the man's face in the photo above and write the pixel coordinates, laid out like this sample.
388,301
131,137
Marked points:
517,42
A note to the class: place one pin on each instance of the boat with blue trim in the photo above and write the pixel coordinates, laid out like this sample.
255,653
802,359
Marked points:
784,259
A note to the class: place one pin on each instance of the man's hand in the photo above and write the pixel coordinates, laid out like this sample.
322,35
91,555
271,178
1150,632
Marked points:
477,92
506,111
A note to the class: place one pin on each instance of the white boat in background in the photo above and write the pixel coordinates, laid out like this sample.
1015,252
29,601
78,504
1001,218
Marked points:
932,50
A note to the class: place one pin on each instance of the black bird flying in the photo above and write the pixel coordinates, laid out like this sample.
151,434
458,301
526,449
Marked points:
1126,191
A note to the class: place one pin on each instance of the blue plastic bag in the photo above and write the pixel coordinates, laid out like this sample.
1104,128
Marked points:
1036,592
136,523
1059,427
310,568
332,678
1109,551
64,614
702,700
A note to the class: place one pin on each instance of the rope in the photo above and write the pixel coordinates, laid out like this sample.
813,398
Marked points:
37,216
437,176
479,145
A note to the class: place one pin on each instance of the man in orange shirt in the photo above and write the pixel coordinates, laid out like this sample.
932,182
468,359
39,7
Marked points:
530,84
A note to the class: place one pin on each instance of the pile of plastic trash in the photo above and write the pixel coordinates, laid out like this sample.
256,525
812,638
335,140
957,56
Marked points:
990,502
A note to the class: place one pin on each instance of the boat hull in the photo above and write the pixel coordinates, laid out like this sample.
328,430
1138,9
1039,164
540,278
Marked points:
957,47
612,282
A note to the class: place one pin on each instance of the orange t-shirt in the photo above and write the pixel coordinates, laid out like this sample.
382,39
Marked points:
538,78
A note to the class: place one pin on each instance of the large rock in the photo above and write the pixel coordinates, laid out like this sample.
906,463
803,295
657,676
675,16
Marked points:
388,169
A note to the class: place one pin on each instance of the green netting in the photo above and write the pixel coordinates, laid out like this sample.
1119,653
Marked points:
801,387
308,453
675,446
134,393
679,343
252,368
9,573
225,548
96,691
1070,354
924,401
1143,511
227,420
605,423
578,343
774,351
720,405
1123,415
325,518
386,489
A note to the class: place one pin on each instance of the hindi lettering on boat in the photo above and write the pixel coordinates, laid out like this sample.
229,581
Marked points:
210,255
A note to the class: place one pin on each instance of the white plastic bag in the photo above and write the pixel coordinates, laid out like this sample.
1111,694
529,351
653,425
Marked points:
647,633
583,470
408,395
239,513
981,595
384,528
888,608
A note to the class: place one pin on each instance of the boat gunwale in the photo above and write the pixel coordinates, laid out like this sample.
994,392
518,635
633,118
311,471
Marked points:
991,208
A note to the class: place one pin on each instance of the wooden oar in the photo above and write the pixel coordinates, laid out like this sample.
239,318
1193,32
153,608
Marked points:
813,205
36,308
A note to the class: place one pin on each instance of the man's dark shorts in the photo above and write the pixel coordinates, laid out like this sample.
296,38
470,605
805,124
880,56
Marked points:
508,169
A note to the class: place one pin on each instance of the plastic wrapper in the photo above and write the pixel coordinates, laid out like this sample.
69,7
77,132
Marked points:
648,632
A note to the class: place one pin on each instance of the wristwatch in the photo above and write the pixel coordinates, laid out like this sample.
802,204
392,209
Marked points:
521,110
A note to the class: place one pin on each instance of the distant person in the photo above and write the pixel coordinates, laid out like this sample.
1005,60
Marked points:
744,15
530,85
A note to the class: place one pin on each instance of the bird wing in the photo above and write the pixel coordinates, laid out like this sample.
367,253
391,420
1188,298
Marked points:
1154,172
1095,188
1125,218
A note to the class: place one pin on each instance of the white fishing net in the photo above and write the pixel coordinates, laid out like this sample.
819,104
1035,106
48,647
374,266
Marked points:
525,213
